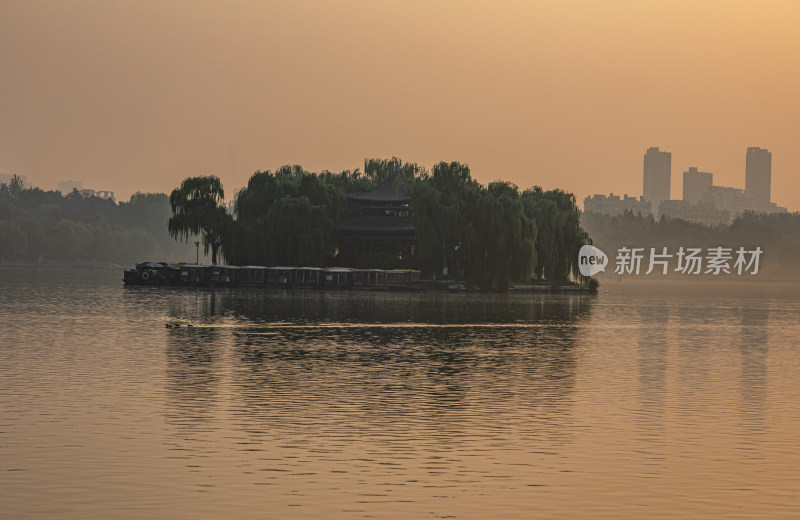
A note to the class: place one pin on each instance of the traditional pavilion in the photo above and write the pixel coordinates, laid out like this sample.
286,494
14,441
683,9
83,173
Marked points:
384,223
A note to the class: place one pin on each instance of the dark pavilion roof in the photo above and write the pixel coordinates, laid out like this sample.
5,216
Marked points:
392,189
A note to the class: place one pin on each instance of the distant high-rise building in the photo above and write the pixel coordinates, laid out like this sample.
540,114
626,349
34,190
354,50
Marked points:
657,173
695,185
758,174
705,213
614,205
733,200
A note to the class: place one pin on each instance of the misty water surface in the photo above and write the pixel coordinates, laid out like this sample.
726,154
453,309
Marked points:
654,401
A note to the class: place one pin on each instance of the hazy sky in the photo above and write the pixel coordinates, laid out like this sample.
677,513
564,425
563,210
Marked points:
137,95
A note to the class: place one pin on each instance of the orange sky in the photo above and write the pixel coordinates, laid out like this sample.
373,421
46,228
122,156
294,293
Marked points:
137,95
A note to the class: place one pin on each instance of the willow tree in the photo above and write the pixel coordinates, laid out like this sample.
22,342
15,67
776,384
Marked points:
378,170
560,235
444,202
197,209
284,218
504,237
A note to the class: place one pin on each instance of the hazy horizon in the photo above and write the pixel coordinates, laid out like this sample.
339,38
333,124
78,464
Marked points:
136,96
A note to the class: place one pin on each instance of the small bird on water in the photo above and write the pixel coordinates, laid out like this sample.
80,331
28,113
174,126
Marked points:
176,324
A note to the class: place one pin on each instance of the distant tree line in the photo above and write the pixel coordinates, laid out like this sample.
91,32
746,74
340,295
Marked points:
492,235
778,235
44,226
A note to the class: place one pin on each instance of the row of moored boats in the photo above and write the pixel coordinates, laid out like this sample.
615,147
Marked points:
184,274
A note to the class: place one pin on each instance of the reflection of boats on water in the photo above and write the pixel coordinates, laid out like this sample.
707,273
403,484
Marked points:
196,275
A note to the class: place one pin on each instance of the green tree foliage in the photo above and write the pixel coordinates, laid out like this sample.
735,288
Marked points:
490,235
145,210
38,245
13,240
487,234
285,218
560,235
44,226
71,239
378,170
16,186
778,235
150,212
444,202
375,172
197,209
505,235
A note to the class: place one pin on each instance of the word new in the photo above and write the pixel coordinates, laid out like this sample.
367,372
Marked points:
689,260
591,260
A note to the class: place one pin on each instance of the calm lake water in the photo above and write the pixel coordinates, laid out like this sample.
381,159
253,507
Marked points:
677,400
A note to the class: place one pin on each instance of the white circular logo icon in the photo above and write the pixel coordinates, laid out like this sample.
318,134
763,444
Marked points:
591,260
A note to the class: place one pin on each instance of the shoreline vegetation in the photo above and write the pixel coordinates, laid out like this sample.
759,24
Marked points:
42,227
778,236
492,236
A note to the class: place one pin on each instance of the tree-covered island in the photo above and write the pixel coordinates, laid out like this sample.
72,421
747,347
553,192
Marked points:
391,215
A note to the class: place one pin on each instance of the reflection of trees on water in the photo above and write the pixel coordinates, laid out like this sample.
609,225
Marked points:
308,306
363,364
373,378
193,378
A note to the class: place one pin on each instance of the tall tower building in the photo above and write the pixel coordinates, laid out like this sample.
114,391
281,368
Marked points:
758,174
657,173
695,185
